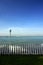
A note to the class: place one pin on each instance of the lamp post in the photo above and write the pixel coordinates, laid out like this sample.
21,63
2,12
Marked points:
10,32
10,38
10,35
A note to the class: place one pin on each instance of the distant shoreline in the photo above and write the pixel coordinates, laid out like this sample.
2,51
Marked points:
21,36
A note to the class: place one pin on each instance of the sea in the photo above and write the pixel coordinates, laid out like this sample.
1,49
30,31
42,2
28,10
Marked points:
21,40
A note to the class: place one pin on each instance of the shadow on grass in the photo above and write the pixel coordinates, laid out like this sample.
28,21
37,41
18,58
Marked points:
21,59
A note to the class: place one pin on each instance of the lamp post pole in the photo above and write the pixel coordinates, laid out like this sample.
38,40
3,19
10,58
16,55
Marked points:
10,38
10,35
10,32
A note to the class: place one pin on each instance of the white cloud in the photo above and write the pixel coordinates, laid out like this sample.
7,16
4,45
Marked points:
20,31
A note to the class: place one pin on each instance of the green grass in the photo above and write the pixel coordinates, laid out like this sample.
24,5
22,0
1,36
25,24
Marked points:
21,60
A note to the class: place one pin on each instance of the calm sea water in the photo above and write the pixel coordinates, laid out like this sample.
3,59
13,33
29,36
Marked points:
21,39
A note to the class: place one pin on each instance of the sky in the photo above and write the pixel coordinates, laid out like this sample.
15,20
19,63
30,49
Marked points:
24,17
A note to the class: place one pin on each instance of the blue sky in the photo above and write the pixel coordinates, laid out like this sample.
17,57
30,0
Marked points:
24,17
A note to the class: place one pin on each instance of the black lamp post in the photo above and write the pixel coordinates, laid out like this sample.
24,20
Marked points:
10,32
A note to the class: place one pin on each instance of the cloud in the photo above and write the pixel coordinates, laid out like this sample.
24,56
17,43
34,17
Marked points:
20,31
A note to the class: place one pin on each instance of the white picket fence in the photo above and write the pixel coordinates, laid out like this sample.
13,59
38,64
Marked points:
21,49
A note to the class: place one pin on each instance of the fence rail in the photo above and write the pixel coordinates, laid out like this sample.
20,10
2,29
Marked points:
21,49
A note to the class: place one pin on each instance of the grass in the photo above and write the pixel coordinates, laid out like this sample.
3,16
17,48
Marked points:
21,60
